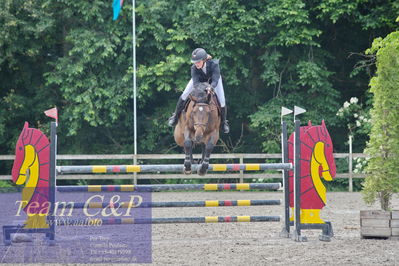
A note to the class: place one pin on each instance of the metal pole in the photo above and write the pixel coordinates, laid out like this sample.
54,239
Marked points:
285,232
53,180
297,177
284,157
297,184
134,88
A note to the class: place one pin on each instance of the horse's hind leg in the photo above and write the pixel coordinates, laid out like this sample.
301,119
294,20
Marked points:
206,154
188,150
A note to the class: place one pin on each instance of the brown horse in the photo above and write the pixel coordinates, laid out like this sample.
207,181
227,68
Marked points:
199,124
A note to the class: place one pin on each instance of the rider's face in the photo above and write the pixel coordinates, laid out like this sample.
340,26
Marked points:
199,64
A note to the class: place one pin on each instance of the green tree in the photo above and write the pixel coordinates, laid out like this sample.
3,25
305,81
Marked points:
272,53
26,45
312,70
383,167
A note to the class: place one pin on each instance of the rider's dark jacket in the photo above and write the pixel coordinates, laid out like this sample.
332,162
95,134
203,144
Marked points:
212,75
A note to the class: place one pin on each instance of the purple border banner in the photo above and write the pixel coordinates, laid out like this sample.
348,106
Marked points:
92,234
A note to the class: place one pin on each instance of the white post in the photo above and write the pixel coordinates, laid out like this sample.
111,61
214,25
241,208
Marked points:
134,89
241,171
350,164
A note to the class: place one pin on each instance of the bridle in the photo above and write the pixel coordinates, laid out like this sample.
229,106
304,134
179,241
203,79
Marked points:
200,105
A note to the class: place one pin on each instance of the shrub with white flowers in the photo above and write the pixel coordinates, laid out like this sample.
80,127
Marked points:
359,165
355,116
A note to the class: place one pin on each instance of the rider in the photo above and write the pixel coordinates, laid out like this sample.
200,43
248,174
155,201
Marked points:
204,69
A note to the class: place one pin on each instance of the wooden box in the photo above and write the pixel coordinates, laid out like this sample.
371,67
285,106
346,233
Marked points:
376,224
395,223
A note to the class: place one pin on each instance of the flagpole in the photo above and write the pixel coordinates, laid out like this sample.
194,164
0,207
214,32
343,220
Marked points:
134,87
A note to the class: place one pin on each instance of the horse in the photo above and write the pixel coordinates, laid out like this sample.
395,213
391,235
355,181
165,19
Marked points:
199,124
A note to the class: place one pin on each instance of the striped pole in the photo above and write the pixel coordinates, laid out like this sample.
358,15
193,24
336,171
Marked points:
88,169
173,220
167,204
169,187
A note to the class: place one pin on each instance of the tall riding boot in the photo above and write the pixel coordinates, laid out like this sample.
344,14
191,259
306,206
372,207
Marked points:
224,122
175,116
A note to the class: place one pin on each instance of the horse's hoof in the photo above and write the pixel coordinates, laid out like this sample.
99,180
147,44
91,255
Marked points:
202,173
187,167
187,172
203,169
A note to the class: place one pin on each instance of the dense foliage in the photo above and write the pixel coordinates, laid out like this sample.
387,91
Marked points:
383,147
272,53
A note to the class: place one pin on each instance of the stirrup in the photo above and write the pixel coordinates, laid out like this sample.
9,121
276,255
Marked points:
172,120
226,127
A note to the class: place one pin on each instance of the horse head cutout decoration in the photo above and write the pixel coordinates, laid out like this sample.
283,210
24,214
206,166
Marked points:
317,163
31,168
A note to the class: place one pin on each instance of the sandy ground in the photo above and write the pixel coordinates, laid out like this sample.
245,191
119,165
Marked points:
244,243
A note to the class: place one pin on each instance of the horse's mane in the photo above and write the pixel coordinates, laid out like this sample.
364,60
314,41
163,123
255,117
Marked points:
199,92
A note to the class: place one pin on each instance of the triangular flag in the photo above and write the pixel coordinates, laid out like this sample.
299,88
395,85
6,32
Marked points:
53,113
285,111
298,110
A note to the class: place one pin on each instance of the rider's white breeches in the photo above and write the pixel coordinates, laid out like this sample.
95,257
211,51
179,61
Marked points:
218,90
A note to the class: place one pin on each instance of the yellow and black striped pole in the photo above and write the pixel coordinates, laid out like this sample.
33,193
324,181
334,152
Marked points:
169,187
174,204
172,220
90,169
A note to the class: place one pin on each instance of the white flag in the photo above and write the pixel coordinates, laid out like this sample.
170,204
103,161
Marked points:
285,111
298,110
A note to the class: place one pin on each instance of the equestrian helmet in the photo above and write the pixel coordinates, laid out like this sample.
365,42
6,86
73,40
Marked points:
198,54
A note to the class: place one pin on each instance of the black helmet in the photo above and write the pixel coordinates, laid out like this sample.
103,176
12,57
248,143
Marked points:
198,54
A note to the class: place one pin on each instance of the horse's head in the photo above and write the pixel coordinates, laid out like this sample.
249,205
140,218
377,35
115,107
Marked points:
201,110
200,115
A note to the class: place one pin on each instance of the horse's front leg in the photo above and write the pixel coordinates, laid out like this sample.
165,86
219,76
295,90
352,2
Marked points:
205,157
188,150
203,153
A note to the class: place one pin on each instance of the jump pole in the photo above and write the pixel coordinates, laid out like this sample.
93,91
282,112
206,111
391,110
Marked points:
171,187
87,169
174,204
173,220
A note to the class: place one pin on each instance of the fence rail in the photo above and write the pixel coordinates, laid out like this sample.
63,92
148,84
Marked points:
239,157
